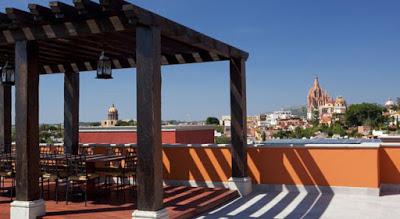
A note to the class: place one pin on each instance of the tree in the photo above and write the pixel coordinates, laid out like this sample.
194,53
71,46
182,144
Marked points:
212,121
263,136
315,117
125,123
365,114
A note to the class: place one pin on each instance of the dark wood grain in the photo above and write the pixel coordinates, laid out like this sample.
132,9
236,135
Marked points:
71,112
5,118
149,166
238,118
27,121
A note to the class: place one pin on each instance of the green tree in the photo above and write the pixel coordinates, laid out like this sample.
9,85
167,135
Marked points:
222,140
365,114
315,117
263,136
212,121
125,123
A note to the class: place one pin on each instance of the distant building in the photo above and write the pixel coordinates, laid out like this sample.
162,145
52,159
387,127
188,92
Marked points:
271,120
329,110
112,117
128,135
393,112
290,123
316,98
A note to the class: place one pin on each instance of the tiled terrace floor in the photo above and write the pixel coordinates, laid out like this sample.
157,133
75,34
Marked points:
181,202
302,205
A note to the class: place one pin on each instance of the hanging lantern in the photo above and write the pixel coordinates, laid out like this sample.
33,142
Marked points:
7,75
104,69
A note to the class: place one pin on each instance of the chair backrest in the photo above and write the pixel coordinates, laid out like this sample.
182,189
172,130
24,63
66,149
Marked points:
49,164
6,163
85,150
76,165
115,151
45,149
131,161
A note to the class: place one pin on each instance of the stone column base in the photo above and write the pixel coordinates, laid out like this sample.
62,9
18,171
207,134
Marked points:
242,185
161,214
27,209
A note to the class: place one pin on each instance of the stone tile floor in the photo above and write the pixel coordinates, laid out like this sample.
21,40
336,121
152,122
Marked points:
303,205
180,201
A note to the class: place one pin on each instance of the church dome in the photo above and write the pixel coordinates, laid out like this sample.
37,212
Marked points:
112,109
389,103
340,101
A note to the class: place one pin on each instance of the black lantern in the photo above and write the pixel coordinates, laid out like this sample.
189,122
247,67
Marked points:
104,70
7,75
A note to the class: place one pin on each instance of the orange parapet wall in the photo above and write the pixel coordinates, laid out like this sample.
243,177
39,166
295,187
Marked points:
197,163
349,167
390,164
315,166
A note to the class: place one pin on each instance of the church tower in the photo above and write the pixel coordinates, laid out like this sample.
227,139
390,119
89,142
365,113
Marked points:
317,97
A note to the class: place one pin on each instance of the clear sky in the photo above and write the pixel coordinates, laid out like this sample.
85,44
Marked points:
352,45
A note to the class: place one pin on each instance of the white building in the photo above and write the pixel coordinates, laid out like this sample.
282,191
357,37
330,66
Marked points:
269,120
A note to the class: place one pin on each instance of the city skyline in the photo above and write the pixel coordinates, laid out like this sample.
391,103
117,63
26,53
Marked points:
351,48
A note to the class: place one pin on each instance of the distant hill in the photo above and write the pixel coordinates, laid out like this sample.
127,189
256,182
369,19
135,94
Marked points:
300,111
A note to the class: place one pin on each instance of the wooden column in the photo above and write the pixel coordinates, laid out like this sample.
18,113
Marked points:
27,120
149,166
5,118
238,118
71,112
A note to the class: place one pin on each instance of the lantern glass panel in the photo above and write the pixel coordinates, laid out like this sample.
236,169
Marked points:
104,70
8,75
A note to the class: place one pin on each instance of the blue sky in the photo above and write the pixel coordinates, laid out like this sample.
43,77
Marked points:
352,45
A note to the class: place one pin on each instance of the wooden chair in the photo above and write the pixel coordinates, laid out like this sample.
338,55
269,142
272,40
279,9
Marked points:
77,173
7,171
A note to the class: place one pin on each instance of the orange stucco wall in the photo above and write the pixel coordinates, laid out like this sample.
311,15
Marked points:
389,165
325,167
305,166
199,164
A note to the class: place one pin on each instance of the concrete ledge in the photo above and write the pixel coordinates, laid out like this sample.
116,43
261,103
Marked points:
337,190
242,185
334,190
27,209
192,183
161,214
389,189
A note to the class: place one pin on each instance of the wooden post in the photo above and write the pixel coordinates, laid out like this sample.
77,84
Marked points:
71,112
149,166
238,118
27,121
5,118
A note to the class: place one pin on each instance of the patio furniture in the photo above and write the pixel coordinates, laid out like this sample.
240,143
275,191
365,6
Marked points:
78,174
7,171
52,169
86,150
129,169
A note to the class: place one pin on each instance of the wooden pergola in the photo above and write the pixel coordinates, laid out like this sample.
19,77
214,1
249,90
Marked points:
68,39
